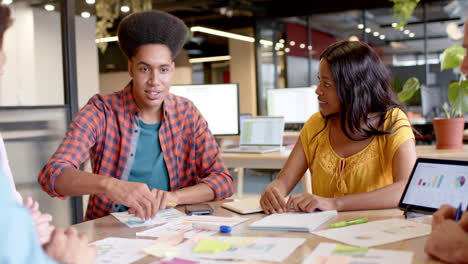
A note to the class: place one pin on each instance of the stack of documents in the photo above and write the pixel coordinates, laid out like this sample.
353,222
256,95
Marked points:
293,221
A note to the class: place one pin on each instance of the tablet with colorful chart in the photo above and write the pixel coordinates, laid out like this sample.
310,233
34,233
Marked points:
435,182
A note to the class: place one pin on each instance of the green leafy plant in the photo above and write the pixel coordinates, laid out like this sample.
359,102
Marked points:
457,94
403,9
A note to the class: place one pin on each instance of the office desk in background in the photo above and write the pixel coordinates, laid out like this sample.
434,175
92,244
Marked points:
276,160
109,226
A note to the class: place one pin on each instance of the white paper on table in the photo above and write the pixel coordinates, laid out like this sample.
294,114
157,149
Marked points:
162,217
293,221
275,249
173,228
373,256
376,232
184,224
120,250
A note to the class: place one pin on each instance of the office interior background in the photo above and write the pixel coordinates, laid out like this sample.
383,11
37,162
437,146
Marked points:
55,64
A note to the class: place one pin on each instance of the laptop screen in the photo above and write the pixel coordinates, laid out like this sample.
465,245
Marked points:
436,182
262,130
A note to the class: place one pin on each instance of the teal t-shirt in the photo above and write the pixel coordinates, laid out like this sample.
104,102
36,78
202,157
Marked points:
149,166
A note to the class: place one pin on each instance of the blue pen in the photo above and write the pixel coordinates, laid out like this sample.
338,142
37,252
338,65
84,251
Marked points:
457,217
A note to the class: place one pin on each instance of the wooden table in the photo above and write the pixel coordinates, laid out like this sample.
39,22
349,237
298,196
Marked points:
109,226
276,160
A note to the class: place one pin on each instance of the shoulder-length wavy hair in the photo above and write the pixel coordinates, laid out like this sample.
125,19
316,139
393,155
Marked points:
363,86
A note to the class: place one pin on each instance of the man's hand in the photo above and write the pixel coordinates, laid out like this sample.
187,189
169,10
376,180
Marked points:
41,221
69,247
134,195
161,199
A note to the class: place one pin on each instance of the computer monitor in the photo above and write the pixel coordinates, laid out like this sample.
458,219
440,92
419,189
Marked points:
295,104
218,103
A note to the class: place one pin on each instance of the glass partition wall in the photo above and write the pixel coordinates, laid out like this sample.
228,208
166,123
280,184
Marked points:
410,51
38,96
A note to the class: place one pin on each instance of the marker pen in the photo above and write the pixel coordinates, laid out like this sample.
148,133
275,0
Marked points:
350,222
213,227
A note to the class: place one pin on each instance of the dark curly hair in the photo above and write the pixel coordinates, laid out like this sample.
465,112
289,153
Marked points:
151,27
363,85
5,21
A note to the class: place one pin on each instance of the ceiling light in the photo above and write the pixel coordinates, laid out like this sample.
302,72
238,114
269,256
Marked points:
277,48
411,35
279,45
265,42
125,9
353,38
107,39
453,31
210,59
224,34
394,24
90,2
376,34
401,28
382,37
7,2
302,45
397,45
406,31
85,14
368,30
309,47
360,26
287,50
49,7
281,41
292,43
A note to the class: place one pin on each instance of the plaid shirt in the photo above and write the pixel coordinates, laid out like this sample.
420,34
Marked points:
104,129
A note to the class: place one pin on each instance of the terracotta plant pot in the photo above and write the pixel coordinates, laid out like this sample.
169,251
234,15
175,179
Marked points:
449,132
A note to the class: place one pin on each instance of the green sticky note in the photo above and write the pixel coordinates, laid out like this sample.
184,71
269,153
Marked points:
211,246
348,250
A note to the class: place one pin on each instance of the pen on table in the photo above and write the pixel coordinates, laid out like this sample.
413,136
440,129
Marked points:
350,222
213,227
457,217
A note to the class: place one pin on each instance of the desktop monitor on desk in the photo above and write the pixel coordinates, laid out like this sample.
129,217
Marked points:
295,104
218,103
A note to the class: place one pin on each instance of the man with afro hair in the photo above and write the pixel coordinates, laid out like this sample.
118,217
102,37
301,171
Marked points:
148,147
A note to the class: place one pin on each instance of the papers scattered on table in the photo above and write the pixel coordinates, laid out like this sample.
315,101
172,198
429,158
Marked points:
327,253
184,225
120,250
161,217
275,249
376,232
293,221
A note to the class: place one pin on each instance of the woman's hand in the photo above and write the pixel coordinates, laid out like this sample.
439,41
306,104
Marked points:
272,200
41,221
306,202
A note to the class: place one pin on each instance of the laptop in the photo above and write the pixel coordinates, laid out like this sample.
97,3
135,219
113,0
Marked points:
260,134
434,182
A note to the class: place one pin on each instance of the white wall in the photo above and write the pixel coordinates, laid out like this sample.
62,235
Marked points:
34,68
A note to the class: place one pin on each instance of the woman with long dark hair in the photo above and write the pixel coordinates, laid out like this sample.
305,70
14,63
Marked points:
359,148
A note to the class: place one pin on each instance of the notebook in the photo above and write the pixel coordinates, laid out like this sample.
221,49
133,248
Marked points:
306,222
435,182
244,206
260,134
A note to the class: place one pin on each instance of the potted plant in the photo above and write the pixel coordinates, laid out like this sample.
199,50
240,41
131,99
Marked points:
448,130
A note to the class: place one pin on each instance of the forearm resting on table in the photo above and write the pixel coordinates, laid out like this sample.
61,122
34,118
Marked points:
74,182
198,193
385,197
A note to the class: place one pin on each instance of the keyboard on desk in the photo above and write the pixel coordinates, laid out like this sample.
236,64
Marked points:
253,149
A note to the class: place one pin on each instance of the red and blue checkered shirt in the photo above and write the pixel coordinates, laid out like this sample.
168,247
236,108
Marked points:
103,130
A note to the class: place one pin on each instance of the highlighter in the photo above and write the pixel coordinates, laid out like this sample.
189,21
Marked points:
350,222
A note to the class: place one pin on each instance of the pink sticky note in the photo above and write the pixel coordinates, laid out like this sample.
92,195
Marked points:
179,261
332,260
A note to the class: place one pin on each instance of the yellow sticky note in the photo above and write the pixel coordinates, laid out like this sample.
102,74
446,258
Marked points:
171,204
211,246
348,250
161,250
241,241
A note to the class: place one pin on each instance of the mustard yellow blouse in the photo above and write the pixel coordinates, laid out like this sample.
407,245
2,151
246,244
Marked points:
365,171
